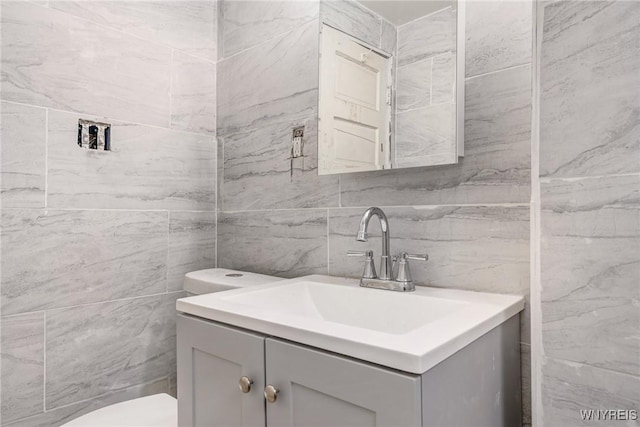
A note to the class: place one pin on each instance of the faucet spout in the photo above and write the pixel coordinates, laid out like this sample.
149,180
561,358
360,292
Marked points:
386,270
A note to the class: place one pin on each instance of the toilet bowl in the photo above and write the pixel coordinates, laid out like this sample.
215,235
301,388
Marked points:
161,410
158,410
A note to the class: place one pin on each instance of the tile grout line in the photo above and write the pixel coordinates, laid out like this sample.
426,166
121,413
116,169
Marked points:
46,157
416,207
379,34
199,58
221,207
120,31
290,119
100,396
409,110
44,367
552,179
376,15
589,365
328,247
22,313
260,43
488,73
102,117
171,64
425,59
218,186
394,82
430,85
157,294
166,260
424,17
104,210
215,243
535,286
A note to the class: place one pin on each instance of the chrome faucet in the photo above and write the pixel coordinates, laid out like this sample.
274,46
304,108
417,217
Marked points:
394,276
386,266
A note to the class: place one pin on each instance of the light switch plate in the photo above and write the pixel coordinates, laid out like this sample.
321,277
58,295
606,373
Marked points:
296,142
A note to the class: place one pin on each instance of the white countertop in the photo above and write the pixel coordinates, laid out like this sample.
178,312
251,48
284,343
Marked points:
409,331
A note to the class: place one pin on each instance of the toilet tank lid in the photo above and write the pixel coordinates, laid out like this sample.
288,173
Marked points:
220,279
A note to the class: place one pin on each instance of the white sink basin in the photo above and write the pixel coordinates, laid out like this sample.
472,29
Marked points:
410,331
388,312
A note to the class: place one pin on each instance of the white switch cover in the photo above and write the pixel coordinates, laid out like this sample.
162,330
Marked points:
296,149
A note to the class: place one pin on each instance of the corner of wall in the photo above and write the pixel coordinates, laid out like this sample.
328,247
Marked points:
537,350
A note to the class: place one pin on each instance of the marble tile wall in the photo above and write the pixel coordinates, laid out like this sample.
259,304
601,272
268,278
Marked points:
568,387
590,209
352,18
266,20
22,358
95,244
488,50
138,332
23,161
147,168
591,271
285,243
598,65
425,88
68,267
280,218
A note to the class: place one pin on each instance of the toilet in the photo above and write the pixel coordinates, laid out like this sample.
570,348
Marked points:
161,410
158,410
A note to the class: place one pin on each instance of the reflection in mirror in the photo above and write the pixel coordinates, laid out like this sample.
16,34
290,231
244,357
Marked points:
391,86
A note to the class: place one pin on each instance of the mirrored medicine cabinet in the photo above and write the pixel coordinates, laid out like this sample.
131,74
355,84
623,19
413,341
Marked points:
393,101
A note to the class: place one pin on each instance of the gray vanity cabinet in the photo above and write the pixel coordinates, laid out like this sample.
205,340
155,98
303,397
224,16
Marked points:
212,359
477,386
322,389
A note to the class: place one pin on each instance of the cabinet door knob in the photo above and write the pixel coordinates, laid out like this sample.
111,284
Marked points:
271,393
245,384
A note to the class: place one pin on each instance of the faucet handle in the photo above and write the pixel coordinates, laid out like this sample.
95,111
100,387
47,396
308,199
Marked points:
403,273
369,267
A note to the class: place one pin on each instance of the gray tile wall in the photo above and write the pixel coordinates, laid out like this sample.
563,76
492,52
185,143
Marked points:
590,209
425,88
154,214
352,18
568,387
283,219
95,244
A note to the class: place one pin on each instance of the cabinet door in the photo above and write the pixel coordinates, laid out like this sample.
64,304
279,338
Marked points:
211,360
321,389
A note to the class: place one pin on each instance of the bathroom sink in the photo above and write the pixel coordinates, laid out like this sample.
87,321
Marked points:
386,312
410,331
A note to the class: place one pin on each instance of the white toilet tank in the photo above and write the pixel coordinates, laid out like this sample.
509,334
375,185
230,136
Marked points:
161,410
221,279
